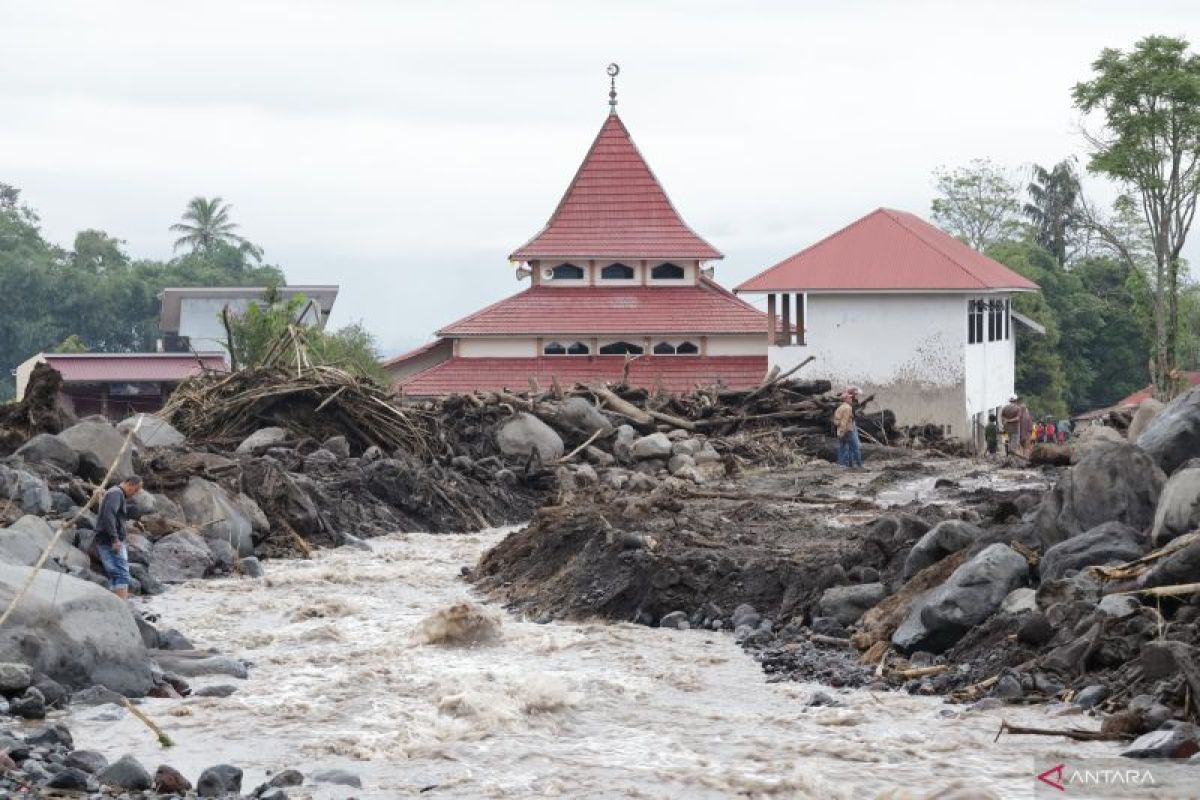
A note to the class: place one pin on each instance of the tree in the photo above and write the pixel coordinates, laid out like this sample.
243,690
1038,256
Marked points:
206,224
978,203
1053,207
72,344
1149,100
97,252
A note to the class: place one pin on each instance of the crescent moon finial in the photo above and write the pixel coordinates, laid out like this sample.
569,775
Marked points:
613,71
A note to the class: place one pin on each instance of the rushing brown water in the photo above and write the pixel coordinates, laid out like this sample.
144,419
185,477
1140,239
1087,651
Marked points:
352,670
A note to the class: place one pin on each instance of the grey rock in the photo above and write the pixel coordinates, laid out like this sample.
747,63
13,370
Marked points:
1178,509
259,523
973,593
1182,565
168,780
70,779
85,634
337,777
847,603
338,445
146,582
1146,411
23,542
578,413
1178,741
677,620
181,556
28,490
30,705
820,699
523,434
286,779
598,457
686,447
1118,606
585,475
154,431
372,453
1019,601
707,454
149,632
251,567
680,462
690,473
208,505
1173,436
52,736
98,444
272,793
1035,630
1090,696
190,667
218,781
1078,588
220,690
318,460
1008,688
745,615
15,678
46,448
262,439
656,445
639,482
1108,543
1114,484
96,696
1092,438
88,761
623,444
937,543
125,773
224,556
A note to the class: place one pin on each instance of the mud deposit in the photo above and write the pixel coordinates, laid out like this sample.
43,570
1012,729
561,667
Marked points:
555,710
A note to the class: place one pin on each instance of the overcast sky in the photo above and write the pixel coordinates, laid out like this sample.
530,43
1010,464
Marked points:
403,149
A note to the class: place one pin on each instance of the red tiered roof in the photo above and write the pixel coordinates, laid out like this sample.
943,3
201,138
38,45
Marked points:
674,373
627,310
888,250
615,207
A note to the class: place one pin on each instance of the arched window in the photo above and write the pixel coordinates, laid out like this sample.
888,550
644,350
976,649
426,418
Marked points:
687,349
620,349
554,349
664,349
578,349
568,272
616,272
667,271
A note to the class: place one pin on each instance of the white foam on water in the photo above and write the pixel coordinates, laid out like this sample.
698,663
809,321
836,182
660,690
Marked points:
570,710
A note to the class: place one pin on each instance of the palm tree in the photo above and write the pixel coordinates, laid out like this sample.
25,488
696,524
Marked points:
1054,209
206,224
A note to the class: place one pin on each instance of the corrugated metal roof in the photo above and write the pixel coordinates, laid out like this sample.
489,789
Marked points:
615,207
132,367
629,310
674,373
888,250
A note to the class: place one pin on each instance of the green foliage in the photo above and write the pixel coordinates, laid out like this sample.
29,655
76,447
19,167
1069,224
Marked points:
206,225
94,292
1053,207
978,203
72,344
352,348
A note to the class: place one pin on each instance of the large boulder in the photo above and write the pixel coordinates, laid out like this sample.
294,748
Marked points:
181,556
1146,411
26,489
22,544
578,413
847,603
98,445
1173,436
1112,542
46,448
262,439
623,444
972,594
1113,484
656,445
1093,437
1181,566
217,515
940,541
524,433
154,431
74,631
1178,509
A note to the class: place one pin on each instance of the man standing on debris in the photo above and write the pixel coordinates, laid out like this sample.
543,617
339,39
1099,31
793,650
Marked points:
111,533
849,446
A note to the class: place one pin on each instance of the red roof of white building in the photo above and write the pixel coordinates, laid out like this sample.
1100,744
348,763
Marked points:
888,251
132,367
615,207
673,373
702,309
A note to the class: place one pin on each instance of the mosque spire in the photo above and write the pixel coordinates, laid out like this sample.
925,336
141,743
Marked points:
613,71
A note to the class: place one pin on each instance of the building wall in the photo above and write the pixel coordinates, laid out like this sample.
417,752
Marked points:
592,269
424,361
498,347
515,347
906,349
736,345
990,374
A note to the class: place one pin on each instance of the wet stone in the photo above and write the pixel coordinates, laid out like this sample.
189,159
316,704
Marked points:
338,777
70,779
677,620
89,761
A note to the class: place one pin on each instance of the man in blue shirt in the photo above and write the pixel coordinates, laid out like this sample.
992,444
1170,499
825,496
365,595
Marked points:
111,533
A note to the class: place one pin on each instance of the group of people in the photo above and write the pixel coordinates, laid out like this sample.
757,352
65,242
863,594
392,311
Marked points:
1017,431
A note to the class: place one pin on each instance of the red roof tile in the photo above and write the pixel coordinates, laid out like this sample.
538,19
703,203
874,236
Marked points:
888,251
410,354
674,373
1135,399
615,207
133,367
703,309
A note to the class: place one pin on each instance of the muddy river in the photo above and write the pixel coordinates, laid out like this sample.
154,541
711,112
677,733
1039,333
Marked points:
557,710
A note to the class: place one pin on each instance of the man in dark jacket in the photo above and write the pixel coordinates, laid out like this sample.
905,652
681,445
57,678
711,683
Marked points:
111,533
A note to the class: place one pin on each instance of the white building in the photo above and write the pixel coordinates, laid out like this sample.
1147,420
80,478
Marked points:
908,313
190,318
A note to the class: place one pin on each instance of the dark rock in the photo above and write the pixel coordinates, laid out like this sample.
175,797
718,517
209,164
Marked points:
745,615
55,693
171,639
251,567
1173,436
89,761
152,430
1008,688
207,504
272,793
579,414
847,603
181,556
168,780
97,444
1109,543
287,779
1178,509
1181,566
1112,484
15,678
1178,741
262,439
96,696
222,690
1161,658
1090,696
218,781
828,626
30,705
940,541
820,699
972,593
55,735
149,632
338,777
224,556
676,619
125,773
1079,588
70,779
148,583
47,448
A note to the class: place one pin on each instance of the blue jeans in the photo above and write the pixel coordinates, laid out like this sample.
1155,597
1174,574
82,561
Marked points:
116,565
850,450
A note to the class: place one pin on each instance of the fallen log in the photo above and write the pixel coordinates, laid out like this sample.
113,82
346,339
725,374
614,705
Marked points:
622,407
919,672
1078,734
1056,455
